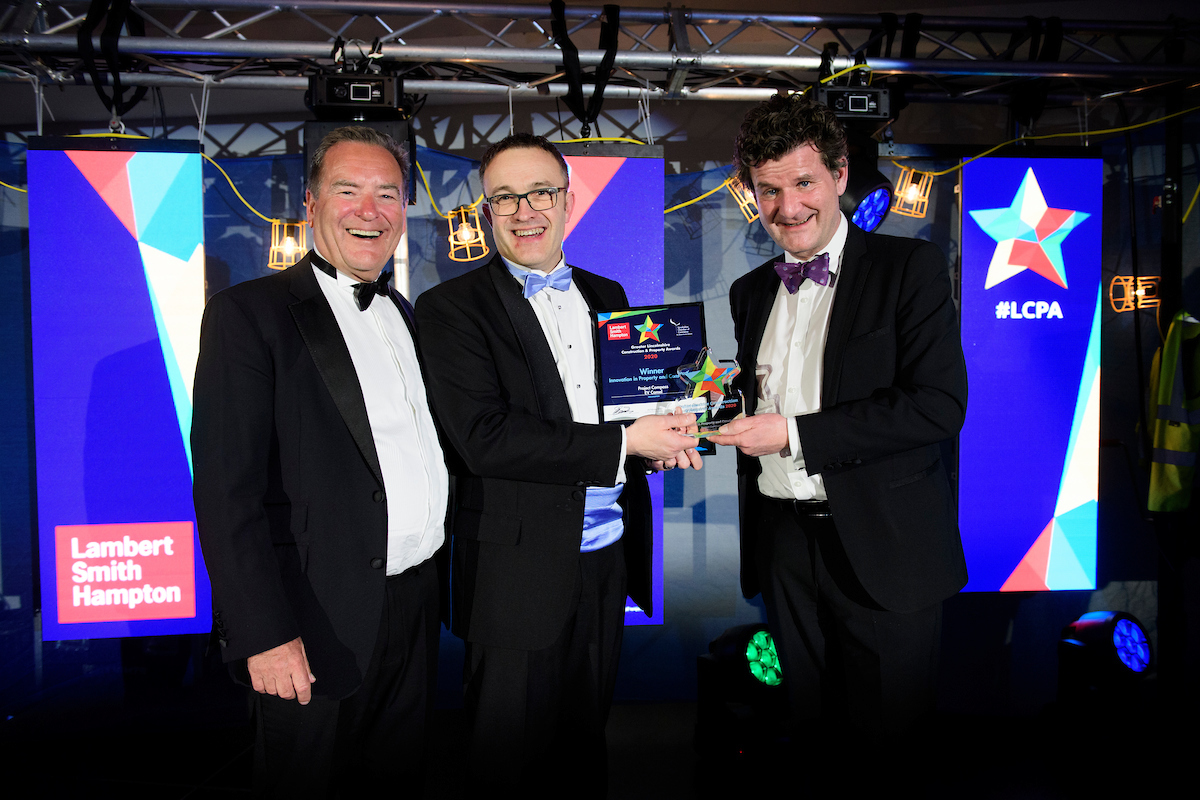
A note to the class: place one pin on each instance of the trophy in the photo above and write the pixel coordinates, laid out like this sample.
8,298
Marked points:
709,382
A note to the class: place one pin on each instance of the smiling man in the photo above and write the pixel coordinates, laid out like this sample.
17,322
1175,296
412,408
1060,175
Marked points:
552,510
321,492
848,520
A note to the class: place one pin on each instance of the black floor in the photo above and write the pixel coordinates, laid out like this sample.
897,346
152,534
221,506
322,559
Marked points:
157,746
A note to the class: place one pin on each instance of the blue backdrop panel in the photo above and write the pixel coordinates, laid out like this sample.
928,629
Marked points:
109,446
1030,326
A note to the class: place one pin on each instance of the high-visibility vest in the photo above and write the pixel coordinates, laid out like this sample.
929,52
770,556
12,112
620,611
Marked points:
1175,415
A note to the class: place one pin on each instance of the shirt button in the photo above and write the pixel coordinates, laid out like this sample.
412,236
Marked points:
569,347
377,563
792,390
378,496
803,299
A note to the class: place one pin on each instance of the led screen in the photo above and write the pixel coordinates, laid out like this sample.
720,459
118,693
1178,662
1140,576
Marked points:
117,292
616,231
1029,466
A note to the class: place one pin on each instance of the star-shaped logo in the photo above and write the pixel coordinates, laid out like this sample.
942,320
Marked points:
1028,235
705,375
649,330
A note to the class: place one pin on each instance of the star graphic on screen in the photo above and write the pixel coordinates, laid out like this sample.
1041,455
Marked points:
649,330
1028,234
705,375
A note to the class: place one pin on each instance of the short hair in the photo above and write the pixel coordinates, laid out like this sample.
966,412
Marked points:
777,126
363,135
516,141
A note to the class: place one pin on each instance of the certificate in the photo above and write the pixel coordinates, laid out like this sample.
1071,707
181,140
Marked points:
639,352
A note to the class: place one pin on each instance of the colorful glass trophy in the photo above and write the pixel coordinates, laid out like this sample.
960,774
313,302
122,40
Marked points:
712,381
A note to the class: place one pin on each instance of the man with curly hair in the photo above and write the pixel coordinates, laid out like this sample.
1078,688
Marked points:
854,376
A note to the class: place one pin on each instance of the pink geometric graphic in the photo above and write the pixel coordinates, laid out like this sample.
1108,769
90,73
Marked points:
1030,574
589,176
107,174
1032,256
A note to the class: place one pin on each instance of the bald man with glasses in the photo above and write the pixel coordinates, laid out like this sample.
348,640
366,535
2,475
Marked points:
552,519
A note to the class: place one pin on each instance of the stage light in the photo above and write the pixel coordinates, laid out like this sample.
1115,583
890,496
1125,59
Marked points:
741,698
1101,651
289,243
868,195
912,193
466,235
745,199
763,660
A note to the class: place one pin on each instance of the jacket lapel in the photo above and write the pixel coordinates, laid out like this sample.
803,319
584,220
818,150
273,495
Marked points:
323,338
762,296
551,397
851,279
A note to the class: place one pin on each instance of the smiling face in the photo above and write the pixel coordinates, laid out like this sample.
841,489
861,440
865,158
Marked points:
357,215
532,239
798,200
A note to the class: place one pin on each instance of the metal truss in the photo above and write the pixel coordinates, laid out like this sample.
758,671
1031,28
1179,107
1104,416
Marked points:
506,50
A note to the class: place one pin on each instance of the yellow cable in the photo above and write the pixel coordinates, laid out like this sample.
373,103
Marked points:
106,136
600,139
1027,138
1190,205
843,72
433,204
14,188
235,190
724,183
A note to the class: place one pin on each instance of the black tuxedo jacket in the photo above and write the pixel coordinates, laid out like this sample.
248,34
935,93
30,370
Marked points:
522,464
894,388
288,489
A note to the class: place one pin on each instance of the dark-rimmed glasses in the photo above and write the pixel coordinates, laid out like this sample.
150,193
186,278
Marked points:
505,205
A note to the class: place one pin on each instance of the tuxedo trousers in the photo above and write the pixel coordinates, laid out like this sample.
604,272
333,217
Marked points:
538,716
375,739
846,662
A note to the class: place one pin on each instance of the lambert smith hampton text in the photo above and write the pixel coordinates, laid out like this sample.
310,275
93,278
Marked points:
119,572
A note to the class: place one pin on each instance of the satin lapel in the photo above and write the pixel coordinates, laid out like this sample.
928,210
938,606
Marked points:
406,311
761,292
851,279
323,338
551,397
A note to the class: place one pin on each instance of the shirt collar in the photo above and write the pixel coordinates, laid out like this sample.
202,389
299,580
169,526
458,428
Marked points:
518,272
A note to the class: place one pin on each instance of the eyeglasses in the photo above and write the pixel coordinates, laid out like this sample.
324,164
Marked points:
505,205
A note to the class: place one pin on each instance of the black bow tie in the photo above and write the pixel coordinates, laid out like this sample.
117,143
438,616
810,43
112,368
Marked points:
364,293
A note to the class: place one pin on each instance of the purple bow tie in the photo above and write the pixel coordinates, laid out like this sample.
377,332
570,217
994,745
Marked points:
793,275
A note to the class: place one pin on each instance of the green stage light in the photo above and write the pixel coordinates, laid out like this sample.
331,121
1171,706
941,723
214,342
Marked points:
763,660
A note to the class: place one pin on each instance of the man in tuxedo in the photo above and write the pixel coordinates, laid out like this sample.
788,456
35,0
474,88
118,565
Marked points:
853,374
321,491
552,525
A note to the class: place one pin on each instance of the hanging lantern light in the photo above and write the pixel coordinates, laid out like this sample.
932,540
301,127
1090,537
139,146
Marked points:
912,193
289,242
466,235
745,199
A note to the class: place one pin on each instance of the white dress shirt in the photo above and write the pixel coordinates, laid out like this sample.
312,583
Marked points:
789,372
567,323
415,480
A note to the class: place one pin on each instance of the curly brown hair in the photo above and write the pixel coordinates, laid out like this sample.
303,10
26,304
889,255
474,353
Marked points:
777,126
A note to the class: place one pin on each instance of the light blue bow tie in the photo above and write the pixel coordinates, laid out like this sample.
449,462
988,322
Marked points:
536,281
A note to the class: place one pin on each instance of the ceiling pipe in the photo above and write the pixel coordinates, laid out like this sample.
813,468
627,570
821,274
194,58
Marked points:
665,61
